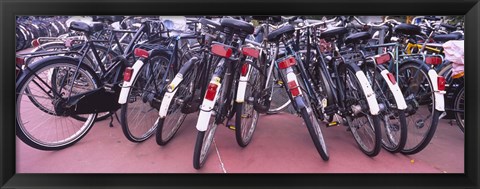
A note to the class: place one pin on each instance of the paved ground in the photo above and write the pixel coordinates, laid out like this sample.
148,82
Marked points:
281,144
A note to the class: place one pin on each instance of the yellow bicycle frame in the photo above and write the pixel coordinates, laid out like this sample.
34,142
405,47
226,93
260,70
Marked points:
411,46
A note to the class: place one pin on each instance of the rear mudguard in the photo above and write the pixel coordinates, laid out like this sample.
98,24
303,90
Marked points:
439,95
397,93
126,86
366,88
172,88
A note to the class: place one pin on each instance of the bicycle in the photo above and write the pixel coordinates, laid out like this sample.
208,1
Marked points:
146,84
184,94
419,82
68,93
220,93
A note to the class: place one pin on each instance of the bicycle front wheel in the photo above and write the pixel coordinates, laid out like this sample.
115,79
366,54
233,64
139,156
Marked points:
41,122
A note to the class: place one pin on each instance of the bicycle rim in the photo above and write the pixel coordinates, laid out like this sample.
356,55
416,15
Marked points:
140,114
421,118
37,123
364,126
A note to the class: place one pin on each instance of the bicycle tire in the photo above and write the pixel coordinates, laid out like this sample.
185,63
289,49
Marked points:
459,107
169,125
246,116
413,74
141,99
31,136
311,121
315,131
280,100
203,145
393,120
357,98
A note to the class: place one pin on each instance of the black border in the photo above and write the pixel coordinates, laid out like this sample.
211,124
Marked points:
10,8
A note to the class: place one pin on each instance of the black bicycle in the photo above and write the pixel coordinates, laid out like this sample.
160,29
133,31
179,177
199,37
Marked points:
66,94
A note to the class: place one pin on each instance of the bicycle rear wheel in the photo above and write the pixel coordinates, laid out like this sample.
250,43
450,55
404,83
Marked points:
364,126
310,118
280,100
393,121
246,115
139,116
169,125
460,109
422,117
40,121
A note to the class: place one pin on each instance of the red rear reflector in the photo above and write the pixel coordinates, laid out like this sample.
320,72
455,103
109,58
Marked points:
381,59
287,63
244,69
221,50
211,91
127,74
292,85
391,77
19,61
441,83
248,51
141,53
433,60
36,43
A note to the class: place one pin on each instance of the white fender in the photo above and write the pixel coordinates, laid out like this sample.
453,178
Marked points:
242,86
167,98
126,86
292,77
439,99
368,91
206,108
397,93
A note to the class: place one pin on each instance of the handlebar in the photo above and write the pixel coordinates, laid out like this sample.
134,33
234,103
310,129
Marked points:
377,25
316,23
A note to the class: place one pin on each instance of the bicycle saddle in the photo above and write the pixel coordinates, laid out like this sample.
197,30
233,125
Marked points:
84,27
447,37
237,25
275,35
448,26
333,33
263,18
408,29
211,24
357,37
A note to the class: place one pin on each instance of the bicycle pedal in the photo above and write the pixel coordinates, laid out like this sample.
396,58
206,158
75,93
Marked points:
442,115
333,124
231,127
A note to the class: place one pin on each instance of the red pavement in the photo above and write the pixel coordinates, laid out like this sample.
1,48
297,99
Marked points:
281,144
